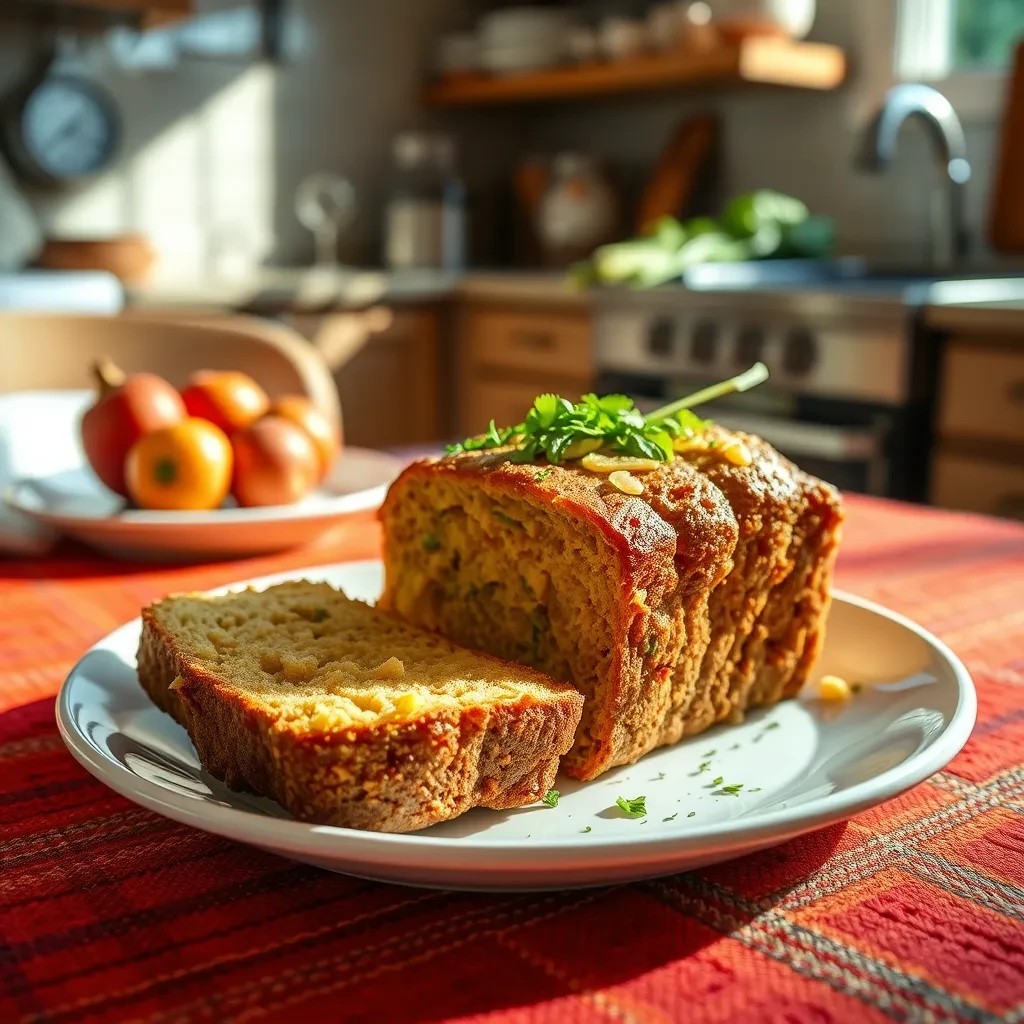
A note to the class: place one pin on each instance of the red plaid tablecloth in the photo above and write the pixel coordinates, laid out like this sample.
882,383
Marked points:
912,911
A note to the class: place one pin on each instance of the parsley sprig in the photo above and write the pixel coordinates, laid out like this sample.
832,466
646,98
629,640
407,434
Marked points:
559,429
635,808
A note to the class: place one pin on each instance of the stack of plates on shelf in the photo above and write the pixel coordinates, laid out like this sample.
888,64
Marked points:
523,39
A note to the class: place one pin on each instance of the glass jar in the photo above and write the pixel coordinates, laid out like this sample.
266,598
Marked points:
425,215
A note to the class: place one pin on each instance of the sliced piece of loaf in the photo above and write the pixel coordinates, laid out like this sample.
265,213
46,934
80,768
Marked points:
672,609
346,715
554,567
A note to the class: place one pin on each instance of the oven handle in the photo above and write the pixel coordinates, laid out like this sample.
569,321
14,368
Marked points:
803,440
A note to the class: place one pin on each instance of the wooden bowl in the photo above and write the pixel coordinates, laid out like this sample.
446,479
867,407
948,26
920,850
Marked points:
129,257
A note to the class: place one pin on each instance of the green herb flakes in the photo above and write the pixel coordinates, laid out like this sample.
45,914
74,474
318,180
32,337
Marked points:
431,542
542,474
731,790
652,646
710,753
550,798
588,829
718,781
507,520
635,808
671,817
319,614
692,814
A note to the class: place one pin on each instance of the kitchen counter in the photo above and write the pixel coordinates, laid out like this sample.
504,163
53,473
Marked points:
314,289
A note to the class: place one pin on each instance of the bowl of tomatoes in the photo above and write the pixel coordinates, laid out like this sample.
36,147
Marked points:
217,468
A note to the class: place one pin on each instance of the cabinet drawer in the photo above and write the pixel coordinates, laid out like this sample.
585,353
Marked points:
976,485
528,340
503,401
983,393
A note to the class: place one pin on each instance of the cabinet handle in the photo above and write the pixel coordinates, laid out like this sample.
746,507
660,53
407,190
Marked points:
538,340
1015,391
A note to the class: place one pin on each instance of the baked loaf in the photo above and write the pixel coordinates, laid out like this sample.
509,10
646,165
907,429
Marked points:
670,609
346,715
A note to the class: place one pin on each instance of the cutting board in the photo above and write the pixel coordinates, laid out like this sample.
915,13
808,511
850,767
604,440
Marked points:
678,171
1006,213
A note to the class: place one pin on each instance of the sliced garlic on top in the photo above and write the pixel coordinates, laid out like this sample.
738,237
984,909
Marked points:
611,463
625,482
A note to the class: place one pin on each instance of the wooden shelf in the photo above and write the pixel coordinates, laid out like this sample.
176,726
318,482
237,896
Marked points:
754,61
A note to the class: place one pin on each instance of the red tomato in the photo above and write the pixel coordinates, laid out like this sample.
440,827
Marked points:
276,463
127,408
325,436
227,398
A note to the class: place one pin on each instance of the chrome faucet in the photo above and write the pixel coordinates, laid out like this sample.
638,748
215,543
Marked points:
949,236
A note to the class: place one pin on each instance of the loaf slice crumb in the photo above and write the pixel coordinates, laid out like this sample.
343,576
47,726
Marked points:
346,715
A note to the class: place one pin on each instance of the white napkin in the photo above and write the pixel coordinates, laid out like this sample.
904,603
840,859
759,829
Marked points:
38,437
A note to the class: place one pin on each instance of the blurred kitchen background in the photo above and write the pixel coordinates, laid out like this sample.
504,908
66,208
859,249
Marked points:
463,204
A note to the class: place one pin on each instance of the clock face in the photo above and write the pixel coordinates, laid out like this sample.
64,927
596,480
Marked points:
68,128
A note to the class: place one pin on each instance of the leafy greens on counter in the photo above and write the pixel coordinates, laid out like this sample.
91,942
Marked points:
761,225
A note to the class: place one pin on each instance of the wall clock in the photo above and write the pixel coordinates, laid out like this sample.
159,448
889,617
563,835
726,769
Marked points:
60,130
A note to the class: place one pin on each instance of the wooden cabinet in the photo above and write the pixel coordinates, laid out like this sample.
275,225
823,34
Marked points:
977,484
979,459
506,355
387,366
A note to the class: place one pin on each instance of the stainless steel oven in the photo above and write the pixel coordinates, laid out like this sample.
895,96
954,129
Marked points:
847,398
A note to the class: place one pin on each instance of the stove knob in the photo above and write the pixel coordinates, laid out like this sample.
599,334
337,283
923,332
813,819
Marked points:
749,346
660,337
704,342
800,353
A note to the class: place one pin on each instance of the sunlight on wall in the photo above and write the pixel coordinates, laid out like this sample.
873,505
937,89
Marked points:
202,189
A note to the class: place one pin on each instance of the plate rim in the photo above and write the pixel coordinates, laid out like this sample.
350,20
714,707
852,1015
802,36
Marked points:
138,520
309,839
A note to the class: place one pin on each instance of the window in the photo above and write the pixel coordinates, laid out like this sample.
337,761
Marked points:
962,47
985,33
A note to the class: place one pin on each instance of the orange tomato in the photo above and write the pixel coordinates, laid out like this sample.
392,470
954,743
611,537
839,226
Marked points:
227,398
276,463
183,467
325,436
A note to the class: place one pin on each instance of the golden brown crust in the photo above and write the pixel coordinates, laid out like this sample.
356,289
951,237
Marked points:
393,776
667,549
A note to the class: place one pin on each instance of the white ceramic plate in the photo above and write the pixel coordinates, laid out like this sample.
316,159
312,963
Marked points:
802,764
74,503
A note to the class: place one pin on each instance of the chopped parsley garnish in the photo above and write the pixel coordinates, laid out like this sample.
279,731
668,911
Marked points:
550,798
718,781
635,808
319,614
671,817
692,814
661,775
756,789
731,790
542,474
710,753
553,425
652,646
702,767
588,829
430,542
